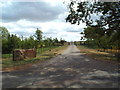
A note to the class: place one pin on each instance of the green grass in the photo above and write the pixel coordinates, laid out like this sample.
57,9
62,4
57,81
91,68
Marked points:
6,55
95,54
42,50
42,54
11,63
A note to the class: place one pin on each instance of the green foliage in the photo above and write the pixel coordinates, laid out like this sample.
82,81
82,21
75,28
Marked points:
38,35
93,32
28,43
109,12
42,54
106,34
42,50
4,33
6,56
5,48
98,37
11,41
48,42
62,41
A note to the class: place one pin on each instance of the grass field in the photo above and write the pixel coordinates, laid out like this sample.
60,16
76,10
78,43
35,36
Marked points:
95,54
42,54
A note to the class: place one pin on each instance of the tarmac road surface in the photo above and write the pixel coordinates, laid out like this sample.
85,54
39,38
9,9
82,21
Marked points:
71,69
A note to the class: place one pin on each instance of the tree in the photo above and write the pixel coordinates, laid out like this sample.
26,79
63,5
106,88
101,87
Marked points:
93,32
55,42
93,35
28,43
48,42
4,33
14,42
108,12
62,41
38,35
4,39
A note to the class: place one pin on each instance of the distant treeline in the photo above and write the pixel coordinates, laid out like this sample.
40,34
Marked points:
12,41
98,37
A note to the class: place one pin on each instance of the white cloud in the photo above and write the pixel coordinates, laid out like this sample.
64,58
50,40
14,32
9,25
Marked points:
54,27
32,11
50,29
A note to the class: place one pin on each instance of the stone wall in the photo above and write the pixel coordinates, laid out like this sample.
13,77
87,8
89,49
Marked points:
21,54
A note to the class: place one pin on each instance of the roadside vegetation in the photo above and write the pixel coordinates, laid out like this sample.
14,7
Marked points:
42,55
13,41
102,32
45,47
94,53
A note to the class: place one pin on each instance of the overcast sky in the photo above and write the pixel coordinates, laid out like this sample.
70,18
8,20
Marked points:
22,18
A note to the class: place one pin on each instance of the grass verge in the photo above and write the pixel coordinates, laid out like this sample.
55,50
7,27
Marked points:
95,54
46,53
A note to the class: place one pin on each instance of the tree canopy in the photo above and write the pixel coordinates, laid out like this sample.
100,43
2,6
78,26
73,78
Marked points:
107,21
4,33
38,35
108,12
12,41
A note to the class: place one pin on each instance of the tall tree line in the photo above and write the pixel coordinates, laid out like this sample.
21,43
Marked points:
12,41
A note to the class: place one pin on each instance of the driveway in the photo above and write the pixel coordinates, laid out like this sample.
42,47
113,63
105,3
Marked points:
71,69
